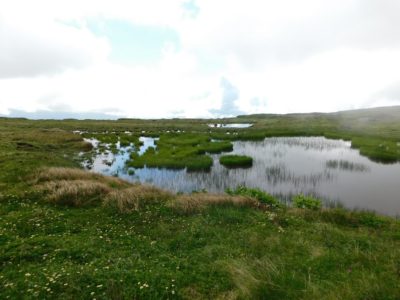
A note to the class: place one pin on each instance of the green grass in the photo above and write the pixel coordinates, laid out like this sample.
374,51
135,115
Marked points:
179,152
187,158
145,248
50,251
302,201
377,149
236,161
261,196
217,147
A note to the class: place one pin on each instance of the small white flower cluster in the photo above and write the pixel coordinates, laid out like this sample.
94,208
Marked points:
142,286
270,215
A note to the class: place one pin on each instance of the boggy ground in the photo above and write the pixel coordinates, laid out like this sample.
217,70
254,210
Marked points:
79,235
65,233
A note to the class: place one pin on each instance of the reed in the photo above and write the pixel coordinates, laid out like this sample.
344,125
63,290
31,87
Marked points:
67,174
135,198
76,193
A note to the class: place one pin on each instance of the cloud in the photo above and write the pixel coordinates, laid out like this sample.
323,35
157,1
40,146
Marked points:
59,115
150,12
391,92
388,96
48,37
283,56
147,92
230,94
46,48
258,33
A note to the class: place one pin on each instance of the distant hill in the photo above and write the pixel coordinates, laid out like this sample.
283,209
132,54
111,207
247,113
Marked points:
392,112
370,113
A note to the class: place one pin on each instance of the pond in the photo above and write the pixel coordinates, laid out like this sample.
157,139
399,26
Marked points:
283,166
231,125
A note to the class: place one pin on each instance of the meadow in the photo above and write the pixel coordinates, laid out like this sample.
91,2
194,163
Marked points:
68,233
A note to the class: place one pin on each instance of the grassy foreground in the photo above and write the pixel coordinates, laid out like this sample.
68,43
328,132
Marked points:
108,239
69,234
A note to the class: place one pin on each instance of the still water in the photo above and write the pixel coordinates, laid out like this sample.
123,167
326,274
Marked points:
328,169
231,125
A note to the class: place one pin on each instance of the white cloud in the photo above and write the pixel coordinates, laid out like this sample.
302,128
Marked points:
259,32
137,91
46,48
230,94
150,12
289,55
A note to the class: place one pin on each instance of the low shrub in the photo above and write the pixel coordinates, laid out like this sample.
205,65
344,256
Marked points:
255,193
302,201
371,219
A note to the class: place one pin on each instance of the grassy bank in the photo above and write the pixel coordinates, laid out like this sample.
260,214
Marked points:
131,241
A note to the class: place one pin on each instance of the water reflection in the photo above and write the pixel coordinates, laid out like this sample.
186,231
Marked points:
328,169
108,161
147,142
278,174
346,165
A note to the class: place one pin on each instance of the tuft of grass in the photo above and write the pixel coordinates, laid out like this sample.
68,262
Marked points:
49,174
75,193
344,217
60,173
255,279
259,195
197,202
236,161
135,198
302,201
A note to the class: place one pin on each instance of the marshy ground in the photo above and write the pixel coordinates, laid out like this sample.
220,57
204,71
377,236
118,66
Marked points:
67,233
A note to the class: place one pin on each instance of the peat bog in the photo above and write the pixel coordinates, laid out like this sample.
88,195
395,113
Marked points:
70,233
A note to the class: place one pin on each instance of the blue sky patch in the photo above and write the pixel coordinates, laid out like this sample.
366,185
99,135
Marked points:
135,44
191,8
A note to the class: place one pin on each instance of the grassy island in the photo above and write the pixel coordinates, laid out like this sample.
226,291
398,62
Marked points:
236,161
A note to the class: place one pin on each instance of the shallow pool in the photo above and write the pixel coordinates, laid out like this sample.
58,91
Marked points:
329,169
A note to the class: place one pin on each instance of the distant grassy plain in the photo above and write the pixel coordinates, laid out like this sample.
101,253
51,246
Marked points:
112,240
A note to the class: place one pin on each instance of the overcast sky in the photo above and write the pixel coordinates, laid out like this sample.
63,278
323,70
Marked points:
196,58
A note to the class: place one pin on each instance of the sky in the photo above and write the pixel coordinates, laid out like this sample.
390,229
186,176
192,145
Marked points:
196,58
